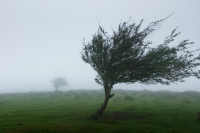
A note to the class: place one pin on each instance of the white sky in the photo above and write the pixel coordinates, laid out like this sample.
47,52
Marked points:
42,39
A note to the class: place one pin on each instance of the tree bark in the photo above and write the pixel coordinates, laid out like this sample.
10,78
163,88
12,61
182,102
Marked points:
103,106
198,116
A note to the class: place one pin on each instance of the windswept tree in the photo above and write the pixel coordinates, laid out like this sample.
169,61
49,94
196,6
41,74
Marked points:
127,56
59,82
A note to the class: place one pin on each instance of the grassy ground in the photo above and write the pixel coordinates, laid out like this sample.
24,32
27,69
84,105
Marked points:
128,111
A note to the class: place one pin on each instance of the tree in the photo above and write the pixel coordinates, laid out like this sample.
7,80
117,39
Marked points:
59,82
128,57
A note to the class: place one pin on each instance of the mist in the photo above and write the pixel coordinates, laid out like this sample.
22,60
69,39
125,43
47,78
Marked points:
42,39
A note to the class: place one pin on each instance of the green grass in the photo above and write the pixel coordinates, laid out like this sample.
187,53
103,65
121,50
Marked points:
69,112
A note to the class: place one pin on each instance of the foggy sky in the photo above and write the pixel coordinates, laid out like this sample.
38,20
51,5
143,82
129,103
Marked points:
42,39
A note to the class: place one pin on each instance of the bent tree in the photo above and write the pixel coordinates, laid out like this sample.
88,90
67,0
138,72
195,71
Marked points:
127,56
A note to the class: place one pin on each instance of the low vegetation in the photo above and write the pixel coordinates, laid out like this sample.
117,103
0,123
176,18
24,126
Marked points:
128,111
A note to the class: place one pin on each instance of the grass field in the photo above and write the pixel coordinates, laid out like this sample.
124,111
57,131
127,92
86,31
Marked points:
127,112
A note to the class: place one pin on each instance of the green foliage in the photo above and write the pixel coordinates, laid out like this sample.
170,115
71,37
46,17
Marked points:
127,56
156,112
59,82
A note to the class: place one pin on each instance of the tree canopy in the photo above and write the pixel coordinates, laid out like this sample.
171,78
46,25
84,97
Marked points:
59,82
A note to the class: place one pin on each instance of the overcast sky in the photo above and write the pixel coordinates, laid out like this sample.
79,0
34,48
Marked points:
42,39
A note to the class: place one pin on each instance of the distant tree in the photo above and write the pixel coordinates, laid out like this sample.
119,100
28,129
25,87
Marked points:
128,57
59,82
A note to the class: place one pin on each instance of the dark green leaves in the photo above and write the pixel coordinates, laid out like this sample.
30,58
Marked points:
127,56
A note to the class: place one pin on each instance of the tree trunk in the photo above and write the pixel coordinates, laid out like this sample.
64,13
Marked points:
198,116
56,89
103,106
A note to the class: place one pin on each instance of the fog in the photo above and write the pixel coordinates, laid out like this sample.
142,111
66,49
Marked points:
42,39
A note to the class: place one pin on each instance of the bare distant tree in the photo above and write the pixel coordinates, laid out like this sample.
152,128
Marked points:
59,82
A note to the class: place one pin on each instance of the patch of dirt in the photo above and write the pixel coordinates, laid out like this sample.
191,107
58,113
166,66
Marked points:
123,116
128,98
186,101
3,102
132,107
